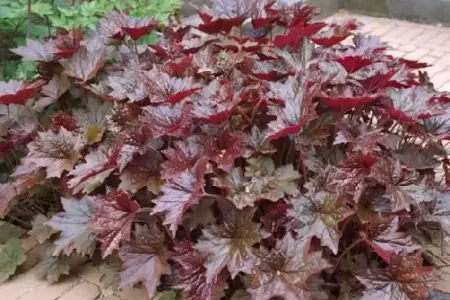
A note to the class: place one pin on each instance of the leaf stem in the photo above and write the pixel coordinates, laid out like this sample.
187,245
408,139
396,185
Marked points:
346,251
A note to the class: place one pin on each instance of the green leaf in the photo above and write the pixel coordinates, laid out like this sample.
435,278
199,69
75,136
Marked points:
12,255
166,295
8,230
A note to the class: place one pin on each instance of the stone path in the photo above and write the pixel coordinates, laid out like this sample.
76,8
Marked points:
430,44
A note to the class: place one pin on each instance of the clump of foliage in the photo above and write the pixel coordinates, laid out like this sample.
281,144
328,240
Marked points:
258,155
39,19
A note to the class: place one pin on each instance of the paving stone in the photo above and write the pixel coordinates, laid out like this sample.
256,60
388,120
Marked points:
136,293
440,78
112,297
417,54
19,285
90,274
445,87
82,291
47,291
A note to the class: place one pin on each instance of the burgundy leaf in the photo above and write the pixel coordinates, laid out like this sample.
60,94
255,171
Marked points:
283,271
137,27
296,34
179,194
161,87
191,274
66,43
230,244
112,220
319,214
409,105
91,174
18,92
173,120
214,103
297,110
405,278
56,152
85,63
182,157
389,241
144,258
224,148
128,85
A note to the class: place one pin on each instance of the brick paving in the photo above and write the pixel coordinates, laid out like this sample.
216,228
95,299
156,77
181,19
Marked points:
427,43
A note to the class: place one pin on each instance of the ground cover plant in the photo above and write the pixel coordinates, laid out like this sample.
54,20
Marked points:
40,19
258,155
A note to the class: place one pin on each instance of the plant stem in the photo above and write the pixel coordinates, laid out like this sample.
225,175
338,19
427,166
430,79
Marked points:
28,18
346,251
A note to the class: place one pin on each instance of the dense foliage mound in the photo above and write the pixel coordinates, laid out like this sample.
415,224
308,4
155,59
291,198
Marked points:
258,155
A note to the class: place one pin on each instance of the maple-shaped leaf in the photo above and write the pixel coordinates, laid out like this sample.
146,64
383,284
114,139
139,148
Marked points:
420,157
389,241
273,183
221,16
112,220
256,142
405,278
284,270
345,99
18,92
295,35
54,89
181,157
142,172
7,193
91,174
161,87
441,211
262,180
297,110
412,104
109,25
137,27
145,258
230,244
319,214
173,120
51,267
180,193
335,34
84,64
27,175
214,103
201,214
122,117
56,152
67,43
400,187
40,230
191,274
224,147
361,137
12,255
128,85
92,119
73,222
36,50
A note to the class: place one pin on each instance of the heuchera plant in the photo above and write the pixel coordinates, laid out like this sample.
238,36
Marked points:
258,155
